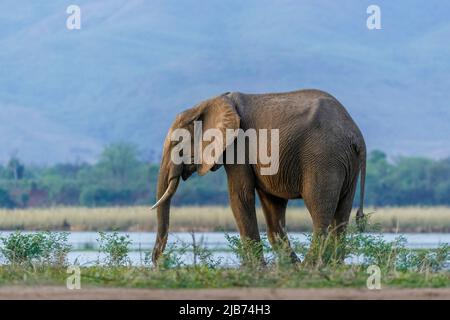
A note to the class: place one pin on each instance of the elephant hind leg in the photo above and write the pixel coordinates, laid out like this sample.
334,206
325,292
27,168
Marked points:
321,199
340,220
274,209
321,194
344,208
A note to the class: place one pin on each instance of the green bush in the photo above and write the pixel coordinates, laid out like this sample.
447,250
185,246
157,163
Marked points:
115,247
36,249
171,257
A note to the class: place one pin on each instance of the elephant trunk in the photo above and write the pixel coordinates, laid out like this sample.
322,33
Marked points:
167,185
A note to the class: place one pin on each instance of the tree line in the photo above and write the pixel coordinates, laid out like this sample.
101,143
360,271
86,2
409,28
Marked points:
121,177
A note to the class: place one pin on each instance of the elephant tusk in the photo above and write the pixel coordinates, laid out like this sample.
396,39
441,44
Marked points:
161,200
168,193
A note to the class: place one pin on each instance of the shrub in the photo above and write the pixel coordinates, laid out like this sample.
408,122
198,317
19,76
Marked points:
249,252
171,257
202,256
115,247
35,249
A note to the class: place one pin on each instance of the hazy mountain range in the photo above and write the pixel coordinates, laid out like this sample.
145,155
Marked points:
134,64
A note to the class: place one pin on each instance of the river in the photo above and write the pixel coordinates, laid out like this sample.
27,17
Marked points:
85,246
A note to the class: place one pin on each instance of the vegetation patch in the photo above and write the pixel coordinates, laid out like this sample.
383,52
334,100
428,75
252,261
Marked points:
42,249
38,259
206,218
122,178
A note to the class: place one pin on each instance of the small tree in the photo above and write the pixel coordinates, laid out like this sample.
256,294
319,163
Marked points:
119,160
16,168
5,200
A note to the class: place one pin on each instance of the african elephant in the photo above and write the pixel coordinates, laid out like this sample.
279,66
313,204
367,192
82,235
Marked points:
321,153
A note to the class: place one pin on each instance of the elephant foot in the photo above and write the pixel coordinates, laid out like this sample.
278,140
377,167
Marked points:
295,259
289,260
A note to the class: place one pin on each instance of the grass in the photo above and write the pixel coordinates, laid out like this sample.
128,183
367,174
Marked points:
202,277
398,266
210,218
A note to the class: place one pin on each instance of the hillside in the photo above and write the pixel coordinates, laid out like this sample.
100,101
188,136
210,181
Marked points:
135,64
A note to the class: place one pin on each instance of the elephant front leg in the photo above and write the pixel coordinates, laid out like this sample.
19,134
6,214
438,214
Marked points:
241,190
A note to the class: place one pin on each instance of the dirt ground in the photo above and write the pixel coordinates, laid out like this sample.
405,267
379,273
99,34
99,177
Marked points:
9,292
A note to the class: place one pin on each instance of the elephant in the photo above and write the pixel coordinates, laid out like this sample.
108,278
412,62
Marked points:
321,154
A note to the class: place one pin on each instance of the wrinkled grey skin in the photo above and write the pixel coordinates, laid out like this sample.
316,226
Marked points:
321,154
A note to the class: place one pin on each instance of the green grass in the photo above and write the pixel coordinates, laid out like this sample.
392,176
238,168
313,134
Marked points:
204,277
208,218
399,266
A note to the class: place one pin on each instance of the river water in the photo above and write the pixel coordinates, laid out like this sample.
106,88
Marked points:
85,245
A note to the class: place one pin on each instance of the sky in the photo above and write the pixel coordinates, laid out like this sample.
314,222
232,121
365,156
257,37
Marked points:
133,65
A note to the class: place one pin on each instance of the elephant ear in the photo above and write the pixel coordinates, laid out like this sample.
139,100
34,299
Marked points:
219,114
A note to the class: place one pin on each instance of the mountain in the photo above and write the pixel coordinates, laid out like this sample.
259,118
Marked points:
134,64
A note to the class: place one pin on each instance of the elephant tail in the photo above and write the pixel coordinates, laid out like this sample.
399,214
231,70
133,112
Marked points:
360,217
